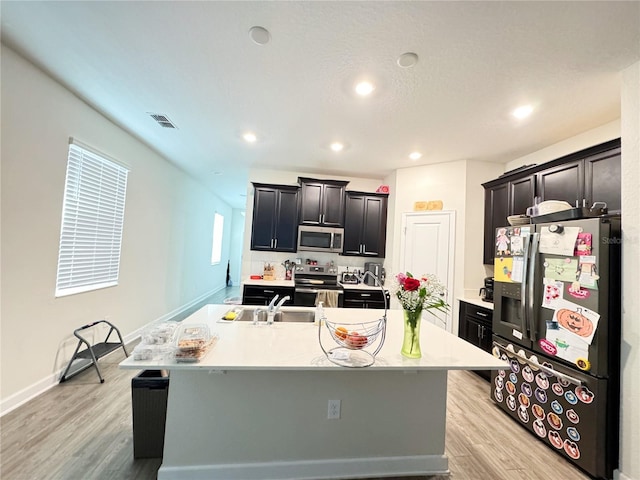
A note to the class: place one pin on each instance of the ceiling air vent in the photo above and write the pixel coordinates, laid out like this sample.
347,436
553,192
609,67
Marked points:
162,120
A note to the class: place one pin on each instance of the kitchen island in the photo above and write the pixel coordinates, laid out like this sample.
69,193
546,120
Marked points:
256,406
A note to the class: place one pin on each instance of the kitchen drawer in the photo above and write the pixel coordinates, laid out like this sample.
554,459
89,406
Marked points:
262,295
364,298
484,315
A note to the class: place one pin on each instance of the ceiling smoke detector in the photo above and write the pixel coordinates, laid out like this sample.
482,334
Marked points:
407,60
259,35
162,120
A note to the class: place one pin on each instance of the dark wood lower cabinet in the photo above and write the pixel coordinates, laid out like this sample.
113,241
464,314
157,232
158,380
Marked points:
262,295
475,327
354,298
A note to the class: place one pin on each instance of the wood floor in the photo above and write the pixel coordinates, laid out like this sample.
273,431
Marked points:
82,430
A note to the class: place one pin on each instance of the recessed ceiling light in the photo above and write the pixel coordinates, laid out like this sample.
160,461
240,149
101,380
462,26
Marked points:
415,155
250,137
522,112
407,60
364,88
217,173
259,35
337,146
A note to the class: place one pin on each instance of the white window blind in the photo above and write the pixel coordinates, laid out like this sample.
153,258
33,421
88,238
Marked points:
92,220
216,249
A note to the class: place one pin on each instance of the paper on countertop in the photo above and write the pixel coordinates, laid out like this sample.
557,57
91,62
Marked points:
559,243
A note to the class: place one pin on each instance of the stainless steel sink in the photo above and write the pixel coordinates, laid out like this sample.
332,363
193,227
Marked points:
285,314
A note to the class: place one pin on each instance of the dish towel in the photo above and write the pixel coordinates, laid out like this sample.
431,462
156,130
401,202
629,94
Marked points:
329,298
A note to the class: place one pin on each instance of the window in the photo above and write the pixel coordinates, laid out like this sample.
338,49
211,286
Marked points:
92,220
216,250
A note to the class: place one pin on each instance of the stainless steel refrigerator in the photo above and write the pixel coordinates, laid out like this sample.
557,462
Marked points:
557,322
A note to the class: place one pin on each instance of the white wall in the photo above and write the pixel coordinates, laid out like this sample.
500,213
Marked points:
596,136
458,185
166,249
630,361
235,249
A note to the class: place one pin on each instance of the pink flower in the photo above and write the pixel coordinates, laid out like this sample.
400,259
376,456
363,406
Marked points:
401,277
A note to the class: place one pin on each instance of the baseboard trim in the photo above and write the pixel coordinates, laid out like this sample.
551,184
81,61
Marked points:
339,468
38,388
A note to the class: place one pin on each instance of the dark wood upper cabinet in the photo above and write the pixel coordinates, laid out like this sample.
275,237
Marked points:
563,182
275,213
365,230
603,179
496,211
502,200
588,176
522,193
322,202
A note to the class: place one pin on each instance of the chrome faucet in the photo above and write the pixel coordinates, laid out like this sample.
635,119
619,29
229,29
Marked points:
272,303
271,312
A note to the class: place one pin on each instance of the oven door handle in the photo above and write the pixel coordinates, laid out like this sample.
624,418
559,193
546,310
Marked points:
313,290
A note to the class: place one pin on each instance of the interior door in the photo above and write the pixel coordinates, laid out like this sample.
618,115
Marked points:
428,246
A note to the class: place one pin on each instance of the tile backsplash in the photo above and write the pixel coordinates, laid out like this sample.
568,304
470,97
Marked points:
254,264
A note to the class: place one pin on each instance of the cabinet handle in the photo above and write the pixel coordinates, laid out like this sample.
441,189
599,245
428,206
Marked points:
479,331
268,291
275,243
365,294
480,314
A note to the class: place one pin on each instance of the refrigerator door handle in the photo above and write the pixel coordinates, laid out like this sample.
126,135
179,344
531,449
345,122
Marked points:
550,372
523,289
533,260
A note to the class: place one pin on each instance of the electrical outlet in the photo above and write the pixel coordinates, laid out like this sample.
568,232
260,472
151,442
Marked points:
333,412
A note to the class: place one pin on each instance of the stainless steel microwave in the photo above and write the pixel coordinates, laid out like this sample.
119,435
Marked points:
320,239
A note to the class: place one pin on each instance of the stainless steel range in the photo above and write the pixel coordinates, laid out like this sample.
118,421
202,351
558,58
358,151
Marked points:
309,280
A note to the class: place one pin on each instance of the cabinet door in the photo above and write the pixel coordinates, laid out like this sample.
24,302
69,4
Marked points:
365,229
603,180
265,203
311,204
522,194
286,228
564,182
496,211
333,206
374,228
353,225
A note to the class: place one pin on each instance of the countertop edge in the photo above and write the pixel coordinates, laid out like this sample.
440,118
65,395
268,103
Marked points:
476,301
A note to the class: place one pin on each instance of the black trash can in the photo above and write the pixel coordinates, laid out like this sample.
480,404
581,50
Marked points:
149,392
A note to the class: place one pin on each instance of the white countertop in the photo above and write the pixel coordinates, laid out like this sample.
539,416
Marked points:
294,346
476,300
269,283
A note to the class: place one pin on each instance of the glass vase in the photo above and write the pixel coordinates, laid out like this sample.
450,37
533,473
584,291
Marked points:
411,341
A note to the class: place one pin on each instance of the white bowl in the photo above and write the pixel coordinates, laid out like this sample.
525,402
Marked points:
518,220
552,206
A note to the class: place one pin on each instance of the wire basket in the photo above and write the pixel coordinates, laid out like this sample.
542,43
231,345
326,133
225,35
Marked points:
352,339
355,336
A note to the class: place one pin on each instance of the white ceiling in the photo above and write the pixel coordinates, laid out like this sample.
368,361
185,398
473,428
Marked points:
195,63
